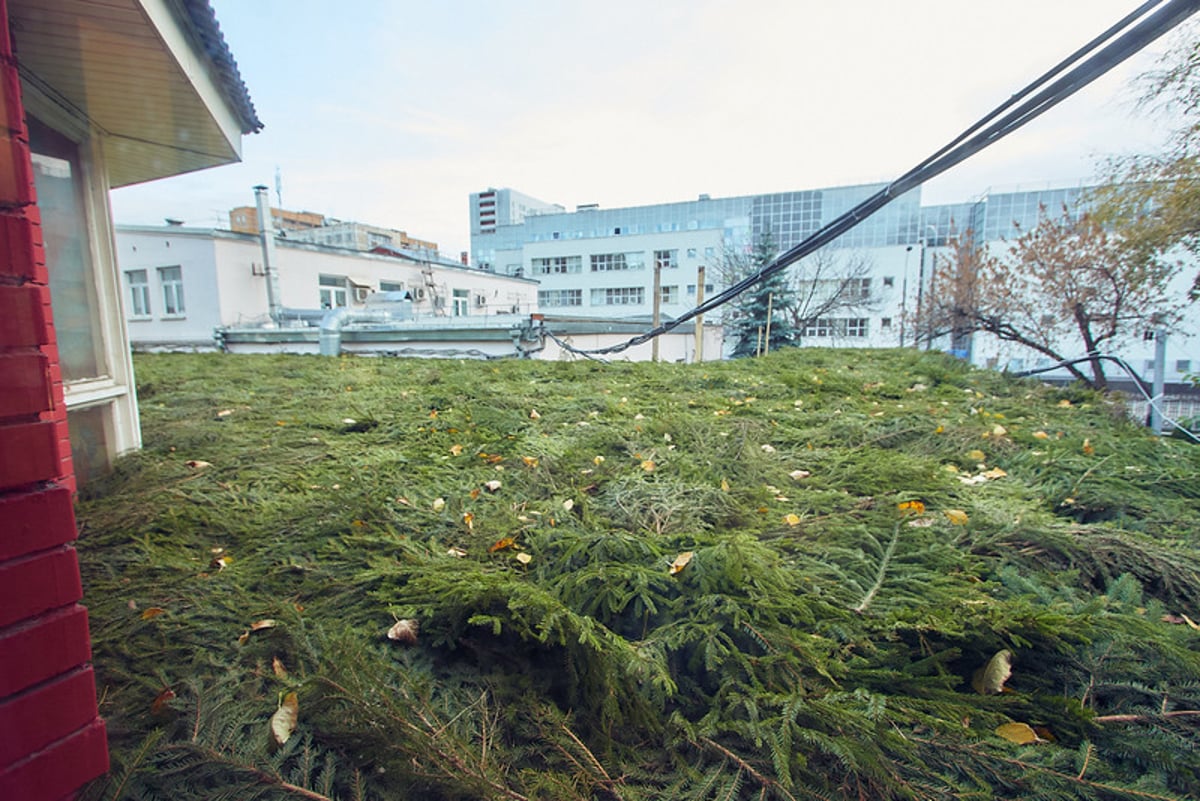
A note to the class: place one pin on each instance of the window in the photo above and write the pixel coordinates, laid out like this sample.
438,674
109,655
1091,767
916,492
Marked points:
171,279
708,290
837,327
610,262
374,239
858,288
709,252
885,322
391,286
889,280
669,294
560,297
558,265
691,253
1183,366
332,291
666,259
619,296
461,298
139,293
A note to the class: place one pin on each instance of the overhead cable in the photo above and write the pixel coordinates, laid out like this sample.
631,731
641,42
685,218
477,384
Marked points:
1119,42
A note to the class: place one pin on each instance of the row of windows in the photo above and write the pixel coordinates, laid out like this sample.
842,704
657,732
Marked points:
837,327
610,262
170,281
618,296
558,265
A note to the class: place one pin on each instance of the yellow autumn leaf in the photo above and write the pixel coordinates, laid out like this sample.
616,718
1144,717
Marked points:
283,722
152,612
724,485
455,450
799,475
792,519
524,558
999,431
278,668
1019,733
1040,435
598,460
1064,404
568,505
976,456
492,486
530,461
259,625
469,519
940,430
681,561
911,507
994,473
1088,450
956,516
533,415
439,504
501,544
648,465
197,464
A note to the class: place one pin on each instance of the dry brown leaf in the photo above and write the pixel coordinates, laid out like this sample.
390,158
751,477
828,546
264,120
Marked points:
455,450
799,475
283,722
404,631
648,465
153,612
159,705
533,415
493,485
989,679
266,623
197,464
277,666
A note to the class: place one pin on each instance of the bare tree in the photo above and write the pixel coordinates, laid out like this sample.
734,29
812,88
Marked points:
819,287
1065,286
829,283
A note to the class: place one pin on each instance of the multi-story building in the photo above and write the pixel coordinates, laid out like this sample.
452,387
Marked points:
493,209
308,226
597,262
180,284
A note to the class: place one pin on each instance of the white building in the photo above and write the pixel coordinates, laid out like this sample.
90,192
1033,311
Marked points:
601,262
180,284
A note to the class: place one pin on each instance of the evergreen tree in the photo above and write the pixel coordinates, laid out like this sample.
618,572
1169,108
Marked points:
749,319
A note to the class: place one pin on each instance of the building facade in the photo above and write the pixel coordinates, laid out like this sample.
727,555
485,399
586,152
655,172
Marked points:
602,262
180,284
309,226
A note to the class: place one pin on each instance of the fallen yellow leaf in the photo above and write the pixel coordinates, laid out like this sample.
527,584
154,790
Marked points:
976,456
956,516
1088,450
792,519
524,558
455,450
681,561
1040,435
1019,733
911,507
648,466
283,722
152,612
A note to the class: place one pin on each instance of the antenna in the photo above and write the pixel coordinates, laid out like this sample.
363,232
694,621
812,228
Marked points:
278,186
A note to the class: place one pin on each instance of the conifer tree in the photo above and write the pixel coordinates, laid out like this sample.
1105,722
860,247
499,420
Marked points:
749,323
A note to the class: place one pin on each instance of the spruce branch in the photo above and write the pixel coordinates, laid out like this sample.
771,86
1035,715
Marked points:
764,781
881,574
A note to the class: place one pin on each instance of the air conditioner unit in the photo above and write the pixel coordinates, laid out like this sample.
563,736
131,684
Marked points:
481,300
361,292
419,293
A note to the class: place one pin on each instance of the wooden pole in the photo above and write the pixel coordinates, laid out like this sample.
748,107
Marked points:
700,317
767,340
657,307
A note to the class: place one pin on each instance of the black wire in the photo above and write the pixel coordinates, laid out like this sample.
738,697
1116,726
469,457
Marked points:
992,127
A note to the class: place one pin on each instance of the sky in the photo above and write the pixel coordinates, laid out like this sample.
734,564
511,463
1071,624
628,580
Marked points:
392,113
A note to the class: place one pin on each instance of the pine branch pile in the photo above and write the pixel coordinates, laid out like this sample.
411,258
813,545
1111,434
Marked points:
818,574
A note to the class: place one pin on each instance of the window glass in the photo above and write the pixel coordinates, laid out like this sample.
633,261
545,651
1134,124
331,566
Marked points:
58,180
139,293
171,279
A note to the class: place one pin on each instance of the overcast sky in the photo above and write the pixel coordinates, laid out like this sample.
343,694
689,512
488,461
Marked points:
394,112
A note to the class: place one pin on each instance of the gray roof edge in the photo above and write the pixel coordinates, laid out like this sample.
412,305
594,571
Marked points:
201,19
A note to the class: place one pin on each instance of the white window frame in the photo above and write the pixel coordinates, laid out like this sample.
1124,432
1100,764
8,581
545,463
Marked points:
331,291
460,300
138,282
173,296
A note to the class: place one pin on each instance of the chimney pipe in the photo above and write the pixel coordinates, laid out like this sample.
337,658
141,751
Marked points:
266,232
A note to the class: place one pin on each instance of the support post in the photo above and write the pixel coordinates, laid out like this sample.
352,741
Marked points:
699,317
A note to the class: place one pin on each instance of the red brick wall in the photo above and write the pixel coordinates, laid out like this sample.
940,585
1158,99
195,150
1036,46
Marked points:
51,739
